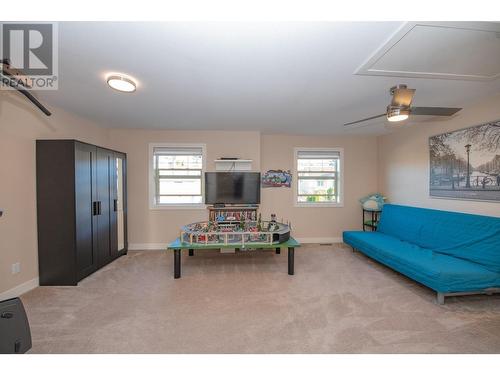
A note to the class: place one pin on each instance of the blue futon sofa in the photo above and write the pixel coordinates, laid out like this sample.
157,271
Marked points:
452,253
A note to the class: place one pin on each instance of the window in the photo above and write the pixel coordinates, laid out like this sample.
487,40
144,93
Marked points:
176,175
319,177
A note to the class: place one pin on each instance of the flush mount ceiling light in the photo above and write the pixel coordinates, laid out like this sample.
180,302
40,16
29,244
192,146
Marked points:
395,114
121,82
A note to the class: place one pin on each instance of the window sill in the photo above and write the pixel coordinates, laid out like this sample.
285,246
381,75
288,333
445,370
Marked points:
318,205
195,206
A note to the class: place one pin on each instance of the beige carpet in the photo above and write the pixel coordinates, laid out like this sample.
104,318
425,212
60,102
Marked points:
337,302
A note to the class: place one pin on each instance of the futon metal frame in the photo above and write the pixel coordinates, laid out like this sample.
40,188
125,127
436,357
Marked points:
441,296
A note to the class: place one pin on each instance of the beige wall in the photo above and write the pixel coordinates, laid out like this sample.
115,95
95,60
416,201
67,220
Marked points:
404,161
20,125
323,223
159,226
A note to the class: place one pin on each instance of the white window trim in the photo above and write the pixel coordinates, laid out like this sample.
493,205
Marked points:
151,179
295,179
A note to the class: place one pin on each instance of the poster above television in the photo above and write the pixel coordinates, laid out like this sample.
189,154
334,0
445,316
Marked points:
277,178
465,164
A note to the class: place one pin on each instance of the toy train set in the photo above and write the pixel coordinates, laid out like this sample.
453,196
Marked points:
235,233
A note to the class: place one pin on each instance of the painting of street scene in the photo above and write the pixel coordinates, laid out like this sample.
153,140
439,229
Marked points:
465,164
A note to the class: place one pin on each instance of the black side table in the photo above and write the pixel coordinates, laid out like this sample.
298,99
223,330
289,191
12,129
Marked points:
370,219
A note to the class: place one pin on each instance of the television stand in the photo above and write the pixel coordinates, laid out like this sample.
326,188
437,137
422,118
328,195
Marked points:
232,213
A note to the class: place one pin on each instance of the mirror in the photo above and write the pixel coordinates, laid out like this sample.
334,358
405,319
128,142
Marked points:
119,204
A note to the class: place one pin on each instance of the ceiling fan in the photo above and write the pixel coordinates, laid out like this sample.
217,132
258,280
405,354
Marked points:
400,108
14,78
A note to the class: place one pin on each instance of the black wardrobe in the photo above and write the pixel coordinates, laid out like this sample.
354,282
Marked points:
81,209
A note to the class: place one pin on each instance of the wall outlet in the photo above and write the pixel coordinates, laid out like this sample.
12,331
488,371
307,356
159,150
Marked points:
16,268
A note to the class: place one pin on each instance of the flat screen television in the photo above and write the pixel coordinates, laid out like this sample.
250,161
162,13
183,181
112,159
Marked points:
232,187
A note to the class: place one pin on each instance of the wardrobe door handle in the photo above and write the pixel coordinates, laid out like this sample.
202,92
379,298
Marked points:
115,205
7,315
94,208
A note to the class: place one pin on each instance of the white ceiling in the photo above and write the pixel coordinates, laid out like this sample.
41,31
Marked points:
274,77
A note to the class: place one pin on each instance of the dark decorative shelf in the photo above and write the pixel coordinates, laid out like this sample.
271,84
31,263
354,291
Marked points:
372,221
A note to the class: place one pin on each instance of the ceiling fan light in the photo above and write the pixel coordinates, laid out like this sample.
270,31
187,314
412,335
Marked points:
397,118
395,114
121,83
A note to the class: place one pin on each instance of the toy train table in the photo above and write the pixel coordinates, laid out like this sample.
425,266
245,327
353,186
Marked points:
245,235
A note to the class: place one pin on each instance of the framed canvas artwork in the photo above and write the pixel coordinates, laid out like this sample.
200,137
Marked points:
465,164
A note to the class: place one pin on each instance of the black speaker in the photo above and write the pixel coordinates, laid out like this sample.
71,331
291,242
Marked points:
15,334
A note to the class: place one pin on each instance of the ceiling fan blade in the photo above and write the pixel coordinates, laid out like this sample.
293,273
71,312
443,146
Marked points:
434,111
402,97
6,69
365,119
15,79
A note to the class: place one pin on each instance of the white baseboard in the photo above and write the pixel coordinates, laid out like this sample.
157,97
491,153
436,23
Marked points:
163,246
148,246
20,289
319,239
